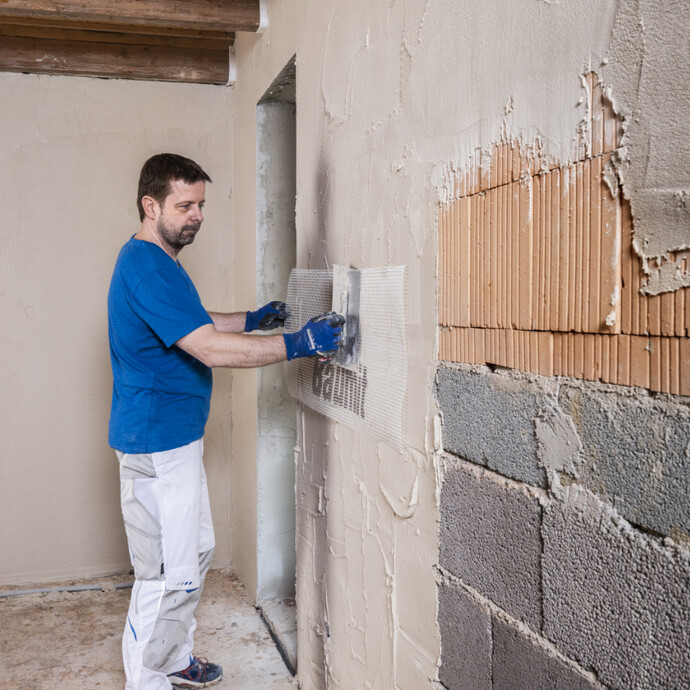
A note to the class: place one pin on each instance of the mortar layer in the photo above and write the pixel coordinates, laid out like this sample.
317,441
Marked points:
646,77
628,446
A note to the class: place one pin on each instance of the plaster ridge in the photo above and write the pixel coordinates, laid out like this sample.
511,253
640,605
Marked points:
440,470
480,472
584,128
585,502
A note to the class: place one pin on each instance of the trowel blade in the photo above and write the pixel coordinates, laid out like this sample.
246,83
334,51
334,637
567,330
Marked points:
346,291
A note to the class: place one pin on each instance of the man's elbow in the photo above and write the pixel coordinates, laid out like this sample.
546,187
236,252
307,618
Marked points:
200,346
204,355
207,358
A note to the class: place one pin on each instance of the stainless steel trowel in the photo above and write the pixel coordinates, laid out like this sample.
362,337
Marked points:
346,291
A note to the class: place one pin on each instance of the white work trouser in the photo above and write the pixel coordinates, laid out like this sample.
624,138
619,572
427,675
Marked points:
167,518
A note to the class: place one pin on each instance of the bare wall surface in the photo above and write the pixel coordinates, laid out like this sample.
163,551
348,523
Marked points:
276,410
71,151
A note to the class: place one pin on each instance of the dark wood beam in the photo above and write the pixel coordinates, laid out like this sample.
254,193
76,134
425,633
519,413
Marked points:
220,42
162,59
168,40
217,15
128,29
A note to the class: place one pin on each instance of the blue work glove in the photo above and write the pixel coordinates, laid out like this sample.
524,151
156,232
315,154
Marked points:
319,337
270,316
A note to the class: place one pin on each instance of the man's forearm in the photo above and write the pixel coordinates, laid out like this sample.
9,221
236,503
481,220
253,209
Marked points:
228,349
229,323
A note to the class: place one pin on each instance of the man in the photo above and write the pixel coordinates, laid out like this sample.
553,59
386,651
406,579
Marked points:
163,344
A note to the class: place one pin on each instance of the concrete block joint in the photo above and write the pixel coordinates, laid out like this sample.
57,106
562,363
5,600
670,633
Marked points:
570,574
484,647
490,538
627,446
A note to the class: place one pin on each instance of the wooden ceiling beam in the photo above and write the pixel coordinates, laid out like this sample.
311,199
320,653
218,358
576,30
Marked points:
24,24
215,15
220,42
165,40
114,60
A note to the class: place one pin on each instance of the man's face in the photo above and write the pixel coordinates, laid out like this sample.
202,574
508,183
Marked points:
181,214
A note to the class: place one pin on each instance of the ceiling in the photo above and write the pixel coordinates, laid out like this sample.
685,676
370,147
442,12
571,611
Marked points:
161,40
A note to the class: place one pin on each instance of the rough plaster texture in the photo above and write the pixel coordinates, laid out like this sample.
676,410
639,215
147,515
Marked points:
71,151
490,420
491,539
646,77
466,641
521,663
636,453
615,601
393,99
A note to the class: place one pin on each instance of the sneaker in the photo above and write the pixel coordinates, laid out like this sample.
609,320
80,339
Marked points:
199,674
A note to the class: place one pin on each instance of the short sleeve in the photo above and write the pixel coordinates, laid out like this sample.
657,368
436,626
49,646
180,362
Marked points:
167,301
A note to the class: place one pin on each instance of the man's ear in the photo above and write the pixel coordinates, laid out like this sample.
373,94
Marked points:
151,207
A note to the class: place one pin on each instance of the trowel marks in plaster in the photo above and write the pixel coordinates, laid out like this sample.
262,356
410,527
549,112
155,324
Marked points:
537,269
647,74
370,397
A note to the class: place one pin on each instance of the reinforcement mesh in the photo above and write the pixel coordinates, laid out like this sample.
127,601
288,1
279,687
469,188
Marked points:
370,398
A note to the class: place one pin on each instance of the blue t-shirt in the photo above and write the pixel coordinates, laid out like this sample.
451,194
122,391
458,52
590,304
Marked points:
161,394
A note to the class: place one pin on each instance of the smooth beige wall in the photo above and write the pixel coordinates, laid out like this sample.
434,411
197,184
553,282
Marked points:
70,154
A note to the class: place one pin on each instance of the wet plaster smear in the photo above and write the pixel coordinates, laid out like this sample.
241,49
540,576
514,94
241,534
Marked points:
647,78
393,98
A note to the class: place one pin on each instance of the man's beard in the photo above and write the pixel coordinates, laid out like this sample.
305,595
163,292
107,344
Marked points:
177,238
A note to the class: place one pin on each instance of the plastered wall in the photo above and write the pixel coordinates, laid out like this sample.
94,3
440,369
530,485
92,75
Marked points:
393,100
70,151
366,514
646,78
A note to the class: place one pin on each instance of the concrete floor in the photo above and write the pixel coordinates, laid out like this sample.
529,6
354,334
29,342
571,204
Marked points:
281,617
71,640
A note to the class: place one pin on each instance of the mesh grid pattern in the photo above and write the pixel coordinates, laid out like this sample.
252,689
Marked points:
371,399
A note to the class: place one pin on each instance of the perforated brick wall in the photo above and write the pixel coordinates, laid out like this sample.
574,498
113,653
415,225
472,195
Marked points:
537,269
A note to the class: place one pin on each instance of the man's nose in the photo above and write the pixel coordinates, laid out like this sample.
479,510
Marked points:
197,214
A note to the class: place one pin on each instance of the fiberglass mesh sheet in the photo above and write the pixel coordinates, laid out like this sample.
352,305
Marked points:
371,398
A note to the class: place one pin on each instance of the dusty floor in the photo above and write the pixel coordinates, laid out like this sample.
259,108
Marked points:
281,617
71,640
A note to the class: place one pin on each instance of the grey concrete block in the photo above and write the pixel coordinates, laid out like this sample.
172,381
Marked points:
615,600
520,663
465,641
636,453
488,419
490,539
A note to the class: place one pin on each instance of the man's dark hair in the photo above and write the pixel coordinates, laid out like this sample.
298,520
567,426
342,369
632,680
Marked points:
160,170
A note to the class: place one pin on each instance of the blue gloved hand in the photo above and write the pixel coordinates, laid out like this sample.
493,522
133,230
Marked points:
319,337
270,316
